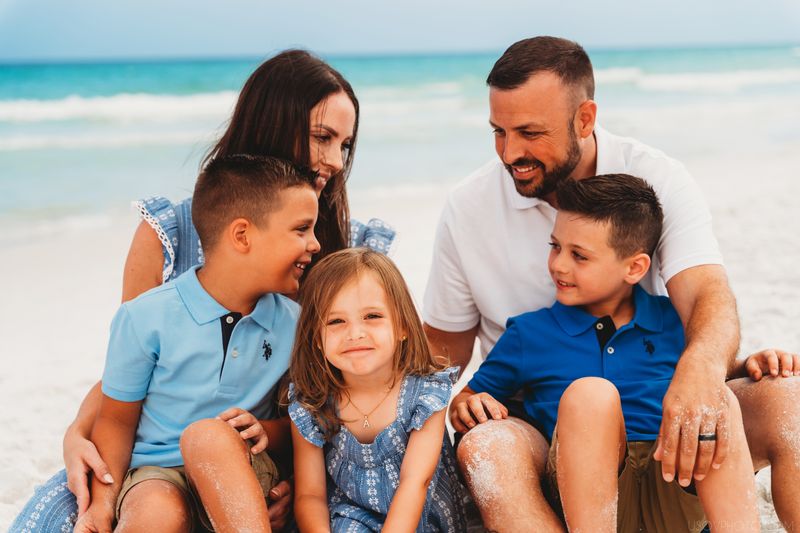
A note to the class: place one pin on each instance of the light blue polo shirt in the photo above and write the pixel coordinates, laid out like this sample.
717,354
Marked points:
166,349
542,352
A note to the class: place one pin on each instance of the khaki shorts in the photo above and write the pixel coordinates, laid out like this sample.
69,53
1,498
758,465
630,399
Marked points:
645,502
266,472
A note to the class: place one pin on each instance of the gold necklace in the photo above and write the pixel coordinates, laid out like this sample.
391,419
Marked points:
366,423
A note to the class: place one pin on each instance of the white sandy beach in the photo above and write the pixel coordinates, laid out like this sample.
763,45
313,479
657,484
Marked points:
61,288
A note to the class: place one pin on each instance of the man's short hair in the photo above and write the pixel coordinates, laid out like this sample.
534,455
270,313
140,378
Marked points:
567,59
241,186
627,203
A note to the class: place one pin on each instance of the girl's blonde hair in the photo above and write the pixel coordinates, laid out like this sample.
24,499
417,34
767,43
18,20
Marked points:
317,383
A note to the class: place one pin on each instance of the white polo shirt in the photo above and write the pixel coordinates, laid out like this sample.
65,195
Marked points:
491,249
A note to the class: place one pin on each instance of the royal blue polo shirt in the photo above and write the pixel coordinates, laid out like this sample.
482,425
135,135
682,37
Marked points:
542,352
168,347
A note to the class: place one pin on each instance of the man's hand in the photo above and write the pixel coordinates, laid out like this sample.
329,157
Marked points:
97,519
279,505
80,458
772,362
239,418
470,408
695,404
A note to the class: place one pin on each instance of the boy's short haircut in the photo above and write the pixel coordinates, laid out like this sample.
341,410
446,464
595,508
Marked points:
627,203
241,186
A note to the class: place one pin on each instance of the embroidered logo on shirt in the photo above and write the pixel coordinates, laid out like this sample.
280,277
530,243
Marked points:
267,351
649,347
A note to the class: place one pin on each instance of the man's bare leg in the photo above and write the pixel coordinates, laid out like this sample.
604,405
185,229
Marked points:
590,449
771,416
504,462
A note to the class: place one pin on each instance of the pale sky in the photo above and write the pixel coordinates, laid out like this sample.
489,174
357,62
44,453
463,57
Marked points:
41,30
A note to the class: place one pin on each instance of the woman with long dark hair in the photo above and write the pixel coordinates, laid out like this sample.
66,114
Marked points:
295,107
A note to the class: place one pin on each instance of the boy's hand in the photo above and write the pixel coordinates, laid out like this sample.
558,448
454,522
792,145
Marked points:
239,418
470,408
772,362
97,519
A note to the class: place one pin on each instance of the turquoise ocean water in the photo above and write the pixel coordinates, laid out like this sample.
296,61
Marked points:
80,139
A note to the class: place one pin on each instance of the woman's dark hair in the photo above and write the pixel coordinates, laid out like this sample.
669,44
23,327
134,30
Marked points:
272,119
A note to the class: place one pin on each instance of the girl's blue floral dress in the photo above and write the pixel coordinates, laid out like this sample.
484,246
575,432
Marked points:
53,508
362,478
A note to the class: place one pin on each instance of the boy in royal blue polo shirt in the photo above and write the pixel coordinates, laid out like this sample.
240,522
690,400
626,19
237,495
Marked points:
597,363
193,359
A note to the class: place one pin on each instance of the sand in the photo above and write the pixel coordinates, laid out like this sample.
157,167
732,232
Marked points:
61,288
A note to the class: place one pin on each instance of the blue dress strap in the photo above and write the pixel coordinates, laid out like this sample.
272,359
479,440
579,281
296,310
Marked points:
432,395
173,224
159,213
375,234
305,422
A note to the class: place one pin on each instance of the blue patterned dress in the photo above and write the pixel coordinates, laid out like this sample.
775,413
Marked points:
53,508
362,478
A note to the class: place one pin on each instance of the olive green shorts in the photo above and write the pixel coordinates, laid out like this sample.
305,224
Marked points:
645,502
265,468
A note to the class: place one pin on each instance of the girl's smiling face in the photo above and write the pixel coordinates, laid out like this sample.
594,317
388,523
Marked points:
358,334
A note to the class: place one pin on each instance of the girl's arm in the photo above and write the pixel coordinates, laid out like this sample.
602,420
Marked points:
422,456
310,493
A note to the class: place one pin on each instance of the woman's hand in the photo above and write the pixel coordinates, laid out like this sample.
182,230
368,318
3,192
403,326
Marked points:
80,458
239,418
279,505
772,362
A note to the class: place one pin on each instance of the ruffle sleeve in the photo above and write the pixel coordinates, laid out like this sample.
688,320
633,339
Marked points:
375,234
433,396
159,213
304,421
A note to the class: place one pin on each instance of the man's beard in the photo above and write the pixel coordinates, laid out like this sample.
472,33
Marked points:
550,177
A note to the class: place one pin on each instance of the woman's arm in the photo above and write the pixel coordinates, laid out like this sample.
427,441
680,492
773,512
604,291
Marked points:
142,272
114,431
422,456
144,264
310,492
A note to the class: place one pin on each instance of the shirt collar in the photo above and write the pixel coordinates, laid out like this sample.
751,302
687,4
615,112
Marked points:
609,160
204,308
575,321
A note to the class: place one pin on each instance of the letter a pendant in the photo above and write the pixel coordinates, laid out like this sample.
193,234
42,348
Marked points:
365,425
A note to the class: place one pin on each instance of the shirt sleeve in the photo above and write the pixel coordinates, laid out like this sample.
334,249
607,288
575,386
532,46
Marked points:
501,374
687,237
129,365
448,303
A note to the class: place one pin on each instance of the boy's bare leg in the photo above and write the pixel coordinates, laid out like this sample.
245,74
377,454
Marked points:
503,462
154,505
590,448
728,494
218,466
771,416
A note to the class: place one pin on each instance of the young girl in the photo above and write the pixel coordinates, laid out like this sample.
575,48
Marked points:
368,406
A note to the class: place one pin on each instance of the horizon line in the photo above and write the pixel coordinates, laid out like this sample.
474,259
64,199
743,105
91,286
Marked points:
65,60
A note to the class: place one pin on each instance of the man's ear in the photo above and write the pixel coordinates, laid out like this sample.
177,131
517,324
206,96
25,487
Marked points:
586,115
239,234
638,265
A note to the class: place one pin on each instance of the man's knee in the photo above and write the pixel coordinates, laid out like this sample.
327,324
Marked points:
155,505
591,396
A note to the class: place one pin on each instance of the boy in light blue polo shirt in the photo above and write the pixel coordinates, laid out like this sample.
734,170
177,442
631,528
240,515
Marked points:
191,364
597,364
